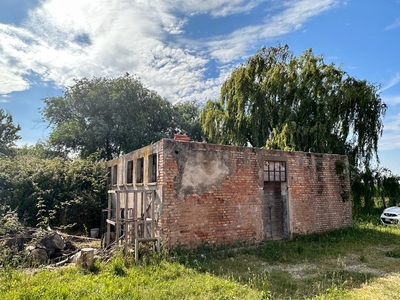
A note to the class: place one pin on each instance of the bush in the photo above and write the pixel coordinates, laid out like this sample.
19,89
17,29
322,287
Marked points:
54,191
9,222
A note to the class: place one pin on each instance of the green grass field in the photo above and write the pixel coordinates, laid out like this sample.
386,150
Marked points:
362,262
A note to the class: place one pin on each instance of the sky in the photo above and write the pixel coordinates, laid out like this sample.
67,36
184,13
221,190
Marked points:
185,49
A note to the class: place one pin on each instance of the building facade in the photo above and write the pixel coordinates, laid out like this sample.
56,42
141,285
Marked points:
216,194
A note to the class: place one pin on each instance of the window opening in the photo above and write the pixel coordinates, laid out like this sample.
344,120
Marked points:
129,172
114,174
139,170
109,176
275,171
153,168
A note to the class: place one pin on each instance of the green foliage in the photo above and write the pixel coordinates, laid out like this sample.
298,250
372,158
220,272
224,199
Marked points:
300,103
109,115
40,150
117,266
8,133
9,222
373,188
54,191
187,121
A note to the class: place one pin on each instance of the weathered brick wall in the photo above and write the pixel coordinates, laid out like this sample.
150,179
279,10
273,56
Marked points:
214,194
211,194
319,192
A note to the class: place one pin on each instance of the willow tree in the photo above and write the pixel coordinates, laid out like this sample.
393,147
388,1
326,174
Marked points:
280,101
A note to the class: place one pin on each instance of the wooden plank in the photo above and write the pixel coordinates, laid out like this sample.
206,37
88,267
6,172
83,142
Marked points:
110,196
153,196
148,239
117,218
126,229
137,214
110,222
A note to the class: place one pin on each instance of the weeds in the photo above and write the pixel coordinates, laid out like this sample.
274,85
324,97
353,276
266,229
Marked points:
9,222
117,265
395,253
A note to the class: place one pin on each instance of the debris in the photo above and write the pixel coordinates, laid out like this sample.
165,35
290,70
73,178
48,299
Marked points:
53,243
40,247
37,255
85,257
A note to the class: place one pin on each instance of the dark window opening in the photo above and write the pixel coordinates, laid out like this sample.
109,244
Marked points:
153,168
129,172
114,174
275,171
108,175
139,170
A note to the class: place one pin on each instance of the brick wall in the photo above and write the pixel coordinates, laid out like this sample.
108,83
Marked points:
319,192
214,194
211,194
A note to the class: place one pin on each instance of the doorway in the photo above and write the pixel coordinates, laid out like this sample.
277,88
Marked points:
275,211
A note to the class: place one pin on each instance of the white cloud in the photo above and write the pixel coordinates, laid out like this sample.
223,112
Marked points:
391,100
394,25
12,63
395,80
10,82
62,40
293,16
391,133
216,8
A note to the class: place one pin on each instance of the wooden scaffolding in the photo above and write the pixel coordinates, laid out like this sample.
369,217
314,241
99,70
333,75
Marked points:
131,219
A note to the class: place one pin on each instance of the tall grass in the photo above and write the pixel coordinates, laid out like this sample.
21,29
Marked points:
165,280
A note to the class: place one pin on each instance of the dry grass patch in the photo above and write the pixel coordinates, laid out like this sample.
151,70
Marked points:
383,288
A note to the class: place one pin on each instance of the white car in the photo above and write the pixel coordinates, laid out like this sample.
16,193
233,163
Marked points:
391,216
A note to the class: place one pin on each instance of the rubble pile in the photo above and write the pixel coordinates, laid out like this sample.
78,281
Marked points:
43,247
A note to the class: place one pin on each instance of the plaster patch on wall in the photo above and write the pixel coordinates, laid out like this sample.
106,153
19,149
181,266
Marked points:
200,171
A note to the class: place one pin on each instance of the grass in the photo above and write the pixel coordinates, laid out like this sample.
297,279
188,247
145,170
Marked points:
355,263
165,280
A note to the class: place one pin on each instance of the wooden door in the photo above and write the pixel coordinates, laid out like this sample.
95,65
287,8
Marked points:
273,211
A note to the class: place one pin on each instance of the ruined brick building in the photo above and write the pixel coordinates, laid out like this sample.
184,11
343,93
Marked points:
191,193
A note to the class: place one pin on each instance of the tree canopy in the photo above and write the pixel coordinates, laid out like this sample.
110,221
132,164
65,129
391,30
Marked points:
8,133
186,119
280,101
113,115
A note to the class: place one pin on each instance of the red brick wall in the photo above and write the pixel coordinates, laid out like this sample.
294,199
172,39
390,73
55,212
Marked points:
214,194
319,192
226,209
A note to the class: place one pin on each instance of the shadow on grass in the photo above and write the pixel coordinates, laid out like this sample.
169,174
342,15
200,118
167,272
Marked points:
260,266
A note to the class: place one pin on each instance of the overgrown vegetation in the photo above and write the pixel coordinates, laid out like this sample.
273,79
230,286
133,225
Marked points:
55,192
372,188
354,263
9,221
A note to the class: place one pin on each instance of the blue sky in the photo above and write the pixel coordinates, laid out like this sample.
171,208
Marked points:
185,49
